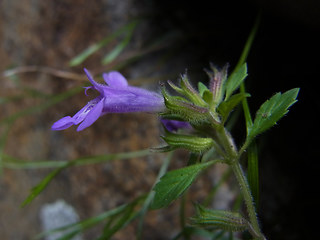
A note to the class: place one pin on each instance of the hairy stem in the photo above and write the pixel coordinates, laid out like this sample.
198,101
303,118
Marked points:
246,193
233,161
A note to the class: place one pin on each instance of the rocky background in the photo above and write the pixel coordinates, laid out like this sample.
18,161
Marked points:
48,34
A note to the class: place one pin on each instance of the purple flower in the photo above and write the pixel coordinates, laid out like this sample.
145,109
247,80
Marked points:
174,125
115,97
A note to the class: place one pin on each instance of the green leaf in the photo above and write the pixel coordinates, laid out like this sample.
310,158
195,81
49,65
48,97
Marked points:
35,191
146,205
13,163
120,47
272,111
202,88
175,183
88,52
120,220
235,80
190,92
112,55
253,172
54,99
78,227
3,140
220,219
95,47
175,87
208,97
227,106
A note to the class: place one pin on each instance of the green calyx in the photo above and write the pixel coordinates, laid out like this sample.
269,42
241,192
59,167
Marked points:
226,220
185,110
188,91
216,86
192,143
206,106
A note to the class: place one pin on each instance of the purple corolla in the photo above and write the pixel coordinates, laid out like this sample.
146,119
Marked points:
115,97
174,125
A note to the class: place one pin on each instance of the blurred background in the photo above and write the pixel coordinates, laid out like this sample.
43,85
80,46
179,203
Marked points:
149,41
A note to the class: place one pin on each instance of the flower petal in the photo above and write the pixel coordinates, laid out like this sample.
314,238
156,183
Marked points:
132,100
115,79
98,86
92,116
63,123
175,125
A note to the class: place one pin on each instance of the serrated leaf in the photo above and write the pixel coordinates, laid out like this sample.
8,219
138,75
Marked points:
220,219
227,106
272,111
235,80
175,183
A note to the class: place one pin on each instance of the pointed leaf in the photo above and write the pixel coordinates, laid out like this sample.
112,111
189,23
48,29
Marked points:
162,149
202,88
271,111
95,47
35,191
112,55
190,92
227,106
120,47
208,97
175,183
120,220
88,52
175,87
235,79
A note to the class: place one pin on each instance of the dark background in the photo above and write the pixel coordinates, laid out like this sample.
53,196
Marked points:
284,55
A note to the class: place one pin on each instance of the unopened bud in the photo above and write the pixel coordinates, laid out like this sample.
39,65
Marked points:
189,142
184,110
226,220
217,80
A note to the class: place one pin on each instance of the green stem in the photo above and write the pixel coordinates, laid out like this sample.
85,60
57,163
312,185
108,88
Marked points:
233,161
227,143
248,199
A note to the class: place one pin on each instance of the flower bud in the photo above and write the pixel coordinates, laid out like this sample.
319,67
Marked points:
189,142
184,110
217,80
226,220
